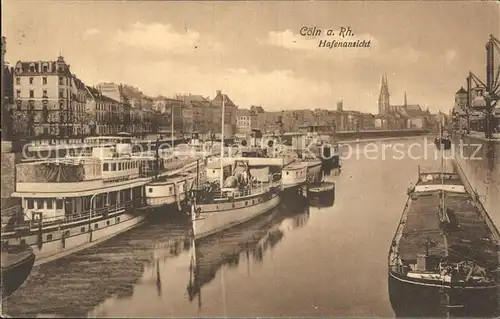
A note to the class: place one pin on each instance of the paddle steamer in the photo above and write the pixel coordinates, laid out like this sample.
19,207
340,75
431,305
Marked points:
71,203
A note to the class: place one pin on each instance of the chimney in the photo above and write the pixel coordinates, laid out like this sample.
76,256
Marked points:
218,92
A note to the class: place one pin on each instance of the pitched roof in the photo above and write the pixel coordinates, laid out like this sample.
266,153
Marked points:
79,83
96,95
243,112
24,67
192,98
257,109
218,100
412,110
462,90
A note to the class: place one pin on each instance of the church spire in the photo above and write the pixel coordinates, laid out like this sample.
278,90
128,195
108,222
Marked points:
383,100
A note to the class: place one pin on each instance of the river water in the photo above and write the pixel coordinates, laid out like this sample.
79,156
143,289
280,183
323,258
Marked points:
295,261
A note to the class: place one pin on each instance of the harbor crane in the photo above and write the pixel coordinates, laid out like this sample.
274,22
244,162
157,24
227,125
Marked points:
491,87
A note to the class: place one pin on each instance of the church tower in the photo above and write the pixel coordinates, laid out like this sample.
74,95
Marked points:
383,99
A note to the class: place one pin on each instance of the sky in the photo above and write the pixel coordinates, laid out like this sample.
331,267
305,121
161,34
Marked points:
253,51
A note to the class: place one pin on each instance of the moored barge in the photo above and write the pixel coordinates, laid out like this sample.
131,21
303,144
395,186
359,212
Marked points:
445,252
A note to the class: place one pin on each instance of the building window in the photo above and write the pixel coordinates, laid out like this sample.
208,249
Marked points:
32,94
18,81
31,80
82,229
49,204
113,167
61,80
18,93
45,93
45,68
44,80
61,105
105,167
49,237
32,68
61,93
31,204
59,204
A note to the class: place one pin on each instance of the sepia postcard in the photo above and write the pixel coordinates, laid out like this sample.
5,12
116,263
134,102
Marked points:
250,159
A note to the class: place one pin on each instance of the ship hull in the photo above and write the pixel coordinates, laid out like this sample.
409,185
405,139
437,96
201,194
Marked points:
445,144
13,276
439,259
314,172
71,238
217,217
421,299
321,194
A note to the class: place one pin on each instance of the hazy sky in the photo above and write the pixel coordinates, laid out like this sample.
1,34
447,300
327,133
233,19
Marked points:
253,50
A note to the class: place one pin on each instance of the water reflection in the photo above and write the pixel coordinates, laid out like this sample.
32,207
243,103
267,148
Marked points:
245,242
73,286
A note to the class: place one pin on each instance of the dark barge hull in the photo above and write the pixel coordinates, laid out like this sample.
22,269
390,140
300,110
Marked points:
321,195
14,275
420,299
445,143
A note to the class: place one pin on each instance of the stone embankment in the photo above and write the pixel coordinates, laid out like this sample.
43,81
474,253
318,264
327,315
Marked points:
480,162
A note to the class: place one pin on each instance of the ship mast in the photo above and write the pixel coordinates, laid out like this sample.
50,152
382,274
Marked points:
222,143
442,166
157,158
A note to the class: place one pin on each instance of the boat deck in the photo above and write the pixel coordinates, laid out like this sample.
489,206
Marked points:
472,240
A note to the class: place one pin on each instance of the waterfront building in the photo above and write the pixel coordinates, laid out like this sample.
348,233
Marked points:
164,108
49,99
137,108
7,94
229,113
108,115
199,117
246,120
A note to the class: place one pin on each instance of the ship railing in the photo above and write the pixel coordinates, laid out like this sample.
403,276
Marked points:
8,214
85,215
259,187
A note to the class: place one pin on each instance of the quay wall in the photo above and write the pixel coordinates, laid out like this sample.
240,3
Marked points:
480,162
378,134
8,170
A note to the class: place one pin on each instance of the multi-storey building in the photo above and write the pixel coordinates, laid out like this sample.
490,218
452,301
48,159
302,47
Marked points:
107,114
229,114
49,99
4,50
201,111
246,120
7,94
137,108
